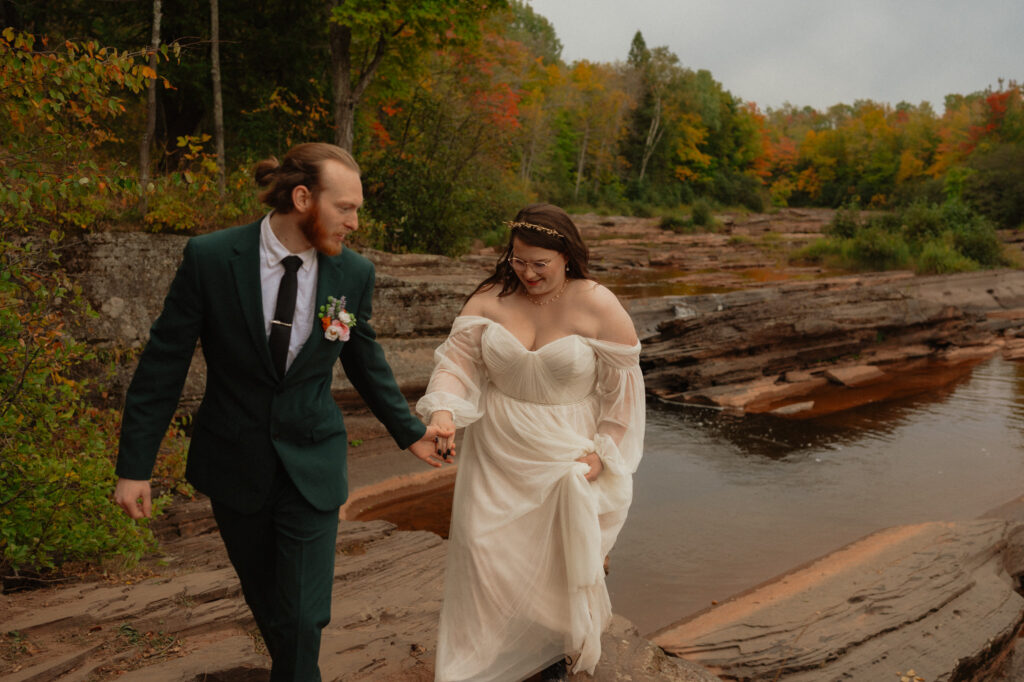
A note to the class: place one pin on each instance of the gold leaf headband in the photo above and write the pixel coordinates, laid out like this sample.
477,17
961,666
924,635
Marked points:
536,228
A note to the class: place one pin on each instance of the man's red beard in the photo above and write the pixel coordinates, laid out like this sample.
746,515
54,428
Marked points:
315,232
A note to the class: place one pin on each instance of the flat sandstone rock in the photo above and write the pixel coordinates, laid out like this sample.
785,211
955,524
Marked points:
190,622
936,598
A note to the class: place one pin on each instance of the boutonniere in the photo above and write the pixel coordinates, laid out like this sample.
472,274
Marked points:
335,320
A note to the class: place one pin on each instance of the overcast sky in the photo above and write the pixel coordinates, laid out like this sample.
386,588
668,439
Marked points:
811,52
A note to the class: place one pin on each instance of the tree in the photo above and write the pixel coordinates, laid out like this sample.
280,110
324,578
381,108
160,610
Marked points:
534,32
218,101
656,75
147,136
438,151
364,32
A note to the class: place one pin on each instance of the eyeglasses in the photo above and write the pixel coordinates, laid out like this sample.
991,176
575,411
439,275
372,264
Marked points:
537,265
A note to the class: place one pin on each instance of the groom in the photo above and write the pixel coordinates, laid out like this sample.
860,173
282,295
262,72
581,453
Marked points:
274,305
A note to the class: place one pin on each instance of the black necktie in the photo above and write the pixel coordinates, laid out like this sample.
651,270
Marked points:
281,325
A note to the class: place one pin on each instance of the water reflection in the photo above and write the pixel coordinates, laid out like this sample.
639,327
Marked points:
722,504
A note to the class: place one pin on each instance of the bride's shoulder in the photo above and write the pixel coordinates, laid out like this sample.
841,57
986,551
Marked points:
603,306
597,297
482,303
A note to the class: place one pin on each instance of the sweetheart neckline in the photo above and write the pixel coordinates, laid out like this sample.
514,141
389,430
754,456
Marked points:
523,345
599,343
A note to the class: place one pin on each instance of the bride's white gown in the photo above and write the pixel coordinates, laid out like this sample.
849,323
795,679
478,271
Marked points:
524,581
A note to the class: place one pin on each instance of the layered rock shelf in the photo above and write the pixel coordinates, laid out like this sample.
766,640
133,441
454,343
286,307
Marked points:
802,349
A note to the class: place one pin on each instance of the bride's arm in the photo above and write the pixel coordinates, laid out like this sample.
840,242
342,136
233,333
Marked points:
455,392
620,384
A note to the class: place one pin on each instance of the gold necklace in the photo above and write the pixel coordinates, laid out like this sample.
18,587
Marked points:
550,300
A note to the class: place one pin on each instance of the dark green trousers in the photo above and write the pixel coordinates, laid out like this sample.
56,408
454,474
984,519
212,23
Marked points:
284,557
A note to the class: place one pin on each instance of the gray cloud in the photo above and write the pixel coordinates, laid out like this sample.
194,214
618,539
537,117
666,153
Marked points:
811,53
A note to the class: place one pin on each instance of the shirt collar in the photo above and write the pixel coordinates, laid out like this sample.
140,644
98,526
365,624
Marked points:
275,252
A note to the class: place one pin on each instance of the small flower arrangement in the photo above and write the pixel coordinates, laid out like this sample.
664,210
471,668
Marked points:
335,320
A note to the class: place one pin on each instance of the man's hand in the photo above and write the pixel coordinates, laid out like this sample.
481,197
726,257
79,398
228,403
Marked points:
596,465
428,447
134,497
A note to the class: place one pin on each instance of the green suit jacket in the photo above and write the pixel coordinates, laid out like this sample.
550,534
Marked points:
249,417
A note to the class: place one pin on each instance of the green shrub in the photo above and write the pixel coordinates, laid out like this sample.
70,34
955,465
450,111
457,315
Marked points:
675,223
844,223
939,256
420,209
819,252
874,248
701,213
995,187
56,468
977,239
498,237
641,210
888,221
922,223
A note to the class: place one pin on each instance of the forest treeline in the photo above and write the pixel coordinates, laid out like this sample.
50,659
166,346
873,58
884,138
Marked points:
461,111
149,114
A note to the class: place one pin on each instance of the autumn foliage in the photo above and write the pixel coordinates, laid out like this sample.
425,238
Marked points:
459,113
56,447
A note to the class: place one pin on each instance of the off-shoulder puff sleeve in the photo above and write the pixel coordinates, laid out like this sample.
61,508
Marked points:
459,379
622,409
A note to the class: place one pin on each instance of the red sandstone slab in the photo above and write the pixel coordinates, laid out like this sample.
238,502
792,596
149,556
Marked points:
857,375
1015,314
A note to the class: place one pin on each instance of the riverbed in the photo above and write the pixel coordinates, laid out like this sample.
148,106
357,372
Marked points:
724,503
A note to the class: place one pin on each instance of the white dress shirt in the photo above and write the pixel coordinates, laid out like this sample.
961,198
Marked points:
272,252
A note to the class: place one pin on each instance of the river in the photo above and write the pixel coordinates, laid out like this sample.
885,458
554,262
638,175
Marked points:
723,503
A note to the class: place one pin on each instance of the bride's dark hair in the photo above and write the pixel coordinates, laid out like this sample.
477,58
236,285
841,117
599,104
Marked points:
556,231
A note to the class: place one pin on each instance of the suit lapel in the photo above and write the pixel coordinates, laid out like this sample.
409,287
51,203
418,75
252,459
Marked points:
245,265
330,281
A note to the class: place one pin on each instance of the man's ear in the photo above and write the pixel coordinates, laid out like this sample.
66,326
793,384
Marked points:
301,198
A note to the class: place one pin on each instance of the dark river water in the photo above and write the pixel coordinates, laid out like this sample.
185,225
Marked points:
722,504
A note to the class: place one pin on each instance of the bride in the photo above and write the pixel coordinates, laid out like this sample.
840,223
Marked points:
542,366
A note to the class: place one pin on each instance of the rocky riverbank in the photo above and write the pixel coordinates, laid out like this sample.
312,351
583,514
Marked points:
725,324
181,616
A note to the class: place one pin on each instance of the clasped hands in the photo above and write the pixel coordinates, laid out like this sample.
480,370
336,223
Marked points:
437,445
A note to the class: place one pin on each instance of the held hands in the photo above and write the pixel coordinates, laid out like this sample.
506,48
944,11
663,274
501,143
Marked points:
134,497
596,465
442,419
430,447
